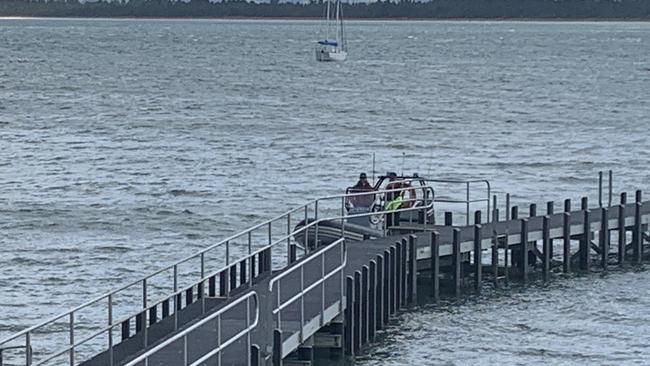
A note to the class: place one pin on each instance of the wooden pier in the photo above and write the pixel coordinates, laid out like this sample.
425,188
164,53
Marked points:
338,296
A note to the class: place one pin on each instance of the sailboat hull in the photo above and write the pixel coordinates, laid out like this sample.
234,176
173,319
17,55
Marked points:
330,55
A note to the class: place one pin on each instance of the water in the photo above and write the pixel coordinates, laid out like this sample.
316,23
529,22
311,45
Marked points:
127,144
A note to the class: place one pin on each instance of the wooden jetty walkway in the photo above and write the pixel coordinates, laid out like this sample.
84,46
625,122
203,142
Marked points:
338,295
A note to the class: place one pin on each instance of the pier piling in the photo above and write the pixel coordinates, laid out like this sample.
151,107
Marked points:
477,257
524,251
566,236
372,300
456,261
435,266
604,237
546,248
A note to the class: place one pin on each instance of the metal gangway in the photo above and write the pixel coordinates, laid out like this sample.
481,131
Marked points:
160,309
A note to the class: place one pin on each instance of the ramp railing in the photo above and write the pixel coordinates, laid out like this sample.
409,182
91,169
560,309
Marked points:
183,348
139,310
317,280
469,198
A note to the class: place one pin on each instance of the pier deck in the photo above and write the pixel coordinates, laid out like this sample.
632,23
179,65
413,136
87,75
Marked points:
339,294
380,278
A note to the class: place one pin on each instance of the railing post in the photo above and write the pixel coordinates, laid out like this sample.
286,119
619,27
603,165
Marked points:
611,180
467,204
507,206
600,188
28,349
288,237
110,329
322,303
306,245
316,220
71,339
302,303
144,313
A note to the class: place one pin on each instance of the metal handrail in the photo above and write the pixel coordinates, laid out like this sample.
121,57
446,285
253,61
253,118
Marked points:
249,327
279,305
467,201
109,296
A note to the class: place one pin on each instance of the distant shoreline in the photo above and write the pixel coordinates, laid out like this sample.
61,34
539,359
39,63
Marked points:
378,10
360,19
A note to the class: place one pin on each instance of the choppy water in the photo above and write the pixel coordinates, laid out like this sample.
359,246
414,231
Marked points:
126,144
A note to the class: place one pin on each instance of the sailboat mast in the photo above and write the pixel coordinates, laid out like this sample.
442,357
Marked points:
327,20
338,38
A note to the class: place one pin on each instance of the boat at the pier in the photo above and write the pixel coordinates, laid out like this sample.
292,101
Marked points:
403,191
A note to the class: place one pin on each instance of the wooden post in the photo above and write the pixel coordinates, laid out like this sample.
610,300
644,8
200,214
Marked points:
372,300
277,347
387,292
478,250
413,270
604,237
546,247
449,219
515,213
566,235
477,217
365,281
622,245
495,213
393,272
585,243
404,274
524,250
398,275
506,259
255,355
357,329
495,258
637,235
381,291
507,206
292,253
456,261
435,266
348,330
584,203
550,210
532,258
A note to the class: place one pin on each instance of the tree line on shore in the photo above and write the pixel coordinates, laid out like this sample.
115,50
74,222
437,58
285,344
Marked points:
408,9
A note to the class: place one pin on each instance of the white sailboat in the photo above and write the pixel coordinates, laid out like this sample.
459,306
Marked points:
332,49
